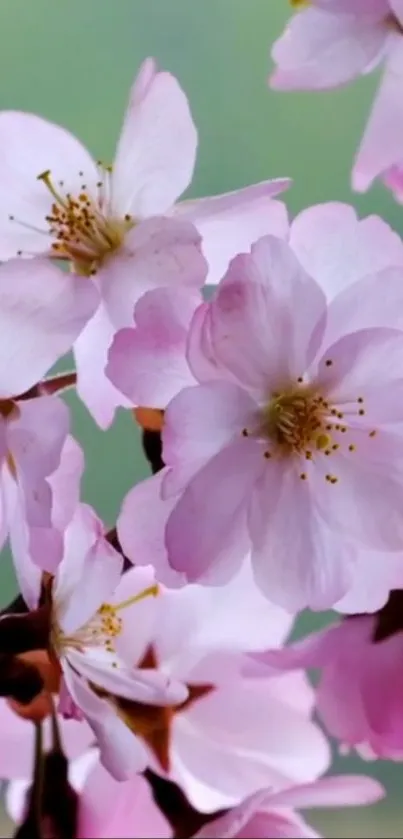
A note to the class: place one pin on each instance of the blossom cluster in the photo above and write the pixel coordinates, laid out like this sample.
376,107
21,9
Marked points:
149,685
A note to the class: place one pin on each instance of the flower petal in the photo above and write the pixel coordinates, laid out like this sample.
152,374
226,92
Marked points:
29,146
122,753
206,534
230,223
158,252
141,528
198,423
148,363
138,618
88,574
319,50
255,330
91,353
297,560
156,152
337,248
381,146
42,312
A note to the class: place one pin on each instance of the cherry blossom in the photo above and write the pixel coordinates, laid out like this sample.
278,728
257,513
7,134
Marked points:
288,438
331,42
91,614
118,224
233,734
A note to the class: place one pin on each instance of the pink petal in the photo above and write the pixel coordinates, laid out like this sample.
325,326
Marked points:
42,312
29,146
149,686
230,223
238,739
138,618
201,356
336,791
254,328
319,50
148,363
158,252
368,592
206,534
141,528
17,736
374,301
381,146
156,152
91,354
397,8
65,483
297,560
362,362
88,574
198,423
122,753
337,248
367,494
247,820
228,624
134,814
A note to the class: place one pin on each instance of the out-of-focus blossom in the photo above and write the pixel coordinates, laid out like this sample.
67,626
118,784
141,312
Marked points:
119,224
268,815
329,43
359,694
290,442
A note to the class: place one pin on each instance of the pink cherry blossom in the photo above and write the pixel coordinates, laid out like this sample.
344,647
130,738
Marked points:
332,42
92,635
266,814
359,695
233,734
148,361
120,224
290,441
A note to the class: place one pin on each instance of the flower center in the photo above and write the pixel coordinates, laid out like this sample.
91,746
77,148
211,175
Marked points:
299,422
83,231
296,419
101,629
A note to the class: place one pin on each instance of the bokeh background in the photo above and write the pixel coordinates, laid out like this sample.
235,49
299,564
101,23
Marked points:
74,62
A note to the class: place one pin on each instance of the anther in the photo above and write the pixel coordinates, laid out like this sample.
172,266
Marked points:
300,380
245,432
303,476
328,362
267,455
351,448
360,400
372,433
361,412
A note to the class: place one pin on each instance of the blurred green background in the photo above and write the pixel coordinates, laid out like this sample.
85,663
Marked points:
74,62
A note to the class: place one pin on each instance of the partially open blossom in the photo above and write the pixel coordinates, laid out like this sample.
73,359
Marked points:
328,43
360,690
97,644
290,442
118,224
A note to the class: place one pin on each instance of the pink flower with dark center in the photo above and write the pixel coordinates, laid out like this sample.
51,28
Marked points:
329,43
290,444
